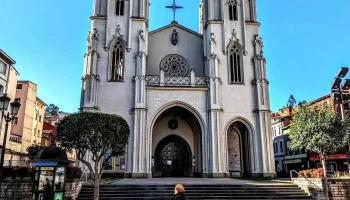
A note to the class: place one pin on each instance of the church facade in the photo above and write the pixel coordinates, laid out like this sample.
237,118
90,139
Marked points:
197,104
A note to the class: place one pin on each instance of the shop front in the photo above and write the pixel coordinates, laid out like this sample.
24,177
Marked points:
296,162
335,162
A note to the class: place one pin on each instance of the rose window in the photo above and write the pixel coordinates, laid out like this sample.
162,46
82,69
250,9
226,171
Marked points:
174,65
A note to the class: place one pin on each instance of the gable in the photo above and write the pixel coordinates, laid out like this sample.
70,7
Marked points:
189,45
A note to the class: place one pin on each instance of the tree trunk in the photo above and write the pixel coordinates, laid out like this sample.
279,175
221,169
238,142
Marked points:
323,160
96,182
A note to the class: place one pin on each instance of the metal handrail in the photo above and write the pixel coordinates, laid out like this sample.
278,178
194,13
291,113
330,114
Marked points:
84,173
291,173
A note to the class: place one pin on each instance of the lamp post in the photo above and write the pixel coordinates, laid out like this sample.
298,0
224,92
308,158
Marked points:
4,104
341,94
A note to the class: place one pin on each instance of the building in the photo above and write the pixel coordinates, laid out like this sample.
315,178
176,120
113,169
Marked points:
28,124
55,120
278,141
300,159
200,98
49,134
8,82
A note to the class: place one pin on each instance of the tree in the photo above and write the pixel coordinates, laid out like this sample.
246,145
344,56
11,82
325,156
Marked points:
33,150
52,109
302,103
101,134
318,129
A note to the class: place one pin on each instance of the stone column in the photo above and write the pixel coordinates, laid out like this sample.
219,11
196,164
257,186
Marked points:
217,141
266,163
141,146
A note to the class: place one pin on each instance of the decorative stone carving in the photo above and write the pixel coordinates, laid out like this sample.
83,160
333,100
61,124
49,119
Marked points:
142,36
174,37
231,2
117,36
234,36
212,37
118,31
174,65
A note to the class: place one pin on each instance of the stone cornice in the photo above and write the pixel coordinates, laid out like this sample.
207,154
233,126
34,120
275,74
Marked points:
139,19
258,111
101,17
252,23
177,88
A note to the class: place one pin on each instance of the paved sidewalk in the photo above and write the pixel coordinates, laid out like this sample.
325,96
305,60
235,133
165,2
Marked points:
197,181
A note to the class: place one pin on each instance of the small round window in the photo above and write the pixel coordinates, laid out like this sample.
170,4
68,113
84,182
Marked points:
173,124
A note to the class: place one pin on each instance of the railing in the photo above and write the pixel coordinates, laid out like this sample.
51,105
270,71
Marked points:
84,173
16,163
291,177
174,81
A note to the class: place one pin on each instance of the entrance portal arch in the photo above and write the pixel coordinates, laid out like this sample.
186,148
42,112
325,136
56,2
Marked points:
176,132
173,157
239,140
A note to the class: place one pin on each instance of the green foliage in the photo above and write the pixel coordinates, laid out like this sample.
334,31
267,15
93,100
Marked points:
302,103
15,172
98,133
21,172
33,150
318,129
52,109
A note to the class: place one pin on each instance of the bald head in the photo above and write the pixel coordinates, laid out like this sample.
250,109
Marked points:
179,188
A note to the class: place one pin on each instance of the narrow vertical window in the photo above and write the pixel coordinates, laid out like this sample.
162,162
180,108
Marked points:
117,67
232,10
235,65
281,146
3,68
119,7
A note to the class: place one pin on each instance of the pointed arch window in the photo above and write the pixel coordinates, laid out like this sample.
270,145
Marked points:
119,7
235,64
232,10
117,62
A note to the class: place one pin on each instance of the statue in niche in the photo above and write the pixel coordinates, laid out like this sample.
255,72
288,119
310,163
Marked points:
174,37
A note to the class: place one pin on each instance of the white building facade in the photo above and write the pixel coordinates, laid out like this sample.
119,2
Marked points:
197,104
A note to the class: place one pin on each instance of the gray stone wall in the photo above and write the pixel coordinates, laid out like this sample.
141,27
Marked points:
338,189
23,191
234,153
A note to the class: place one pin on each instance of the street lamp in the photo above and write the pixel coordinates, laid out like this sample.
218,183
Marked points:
4,103
341,94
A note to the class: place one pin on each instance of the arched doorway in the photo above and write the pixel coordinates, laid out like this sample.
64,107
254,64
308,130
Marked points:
238,150
176,144
173,157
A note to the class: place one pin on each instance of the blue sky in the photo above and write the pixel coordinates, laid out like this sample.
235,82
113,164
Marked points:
306,42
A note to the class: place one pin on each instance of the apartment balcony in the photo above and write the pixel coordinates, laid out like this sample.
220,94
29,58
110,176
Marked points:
177,81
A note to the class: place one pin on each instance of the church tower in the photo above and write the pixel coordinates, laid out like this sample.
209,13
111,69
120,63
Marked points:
235,64
115,62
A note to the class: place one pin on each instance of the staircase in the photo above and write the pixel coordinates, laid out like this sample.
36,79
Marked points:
196,192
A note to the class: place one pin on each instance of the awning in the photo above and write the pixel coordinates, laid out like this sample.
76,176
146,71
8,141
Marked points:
330,157
45,163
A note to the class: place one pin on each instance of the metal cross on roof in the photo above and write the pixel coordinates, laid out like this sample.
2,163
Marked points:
174,7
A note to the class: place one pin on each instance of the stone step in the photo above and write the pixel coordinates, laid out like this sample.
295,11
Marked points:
282,191
192,189
201,198
194,186
195,194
